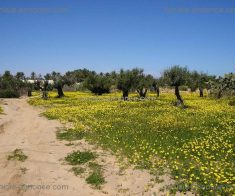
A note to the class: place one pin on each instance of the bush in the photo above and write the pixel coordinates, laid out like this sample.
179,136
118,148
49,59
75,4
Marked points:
98,84
9,93
78,157
225,93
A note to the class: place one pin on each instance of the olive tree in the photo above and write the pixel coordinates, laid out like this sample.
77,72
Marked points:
198,81
156,85
98,83
176,76
143,83
10,85
127,80
59,81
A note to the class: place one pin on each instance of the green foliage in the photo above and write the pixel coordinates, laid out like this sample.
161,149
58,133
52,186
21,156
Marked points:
78,157
198,80
9,93
18,155
98,84
193,81
79,75
129,80
10,85
176,75
60,81
96,179
143,83
223,86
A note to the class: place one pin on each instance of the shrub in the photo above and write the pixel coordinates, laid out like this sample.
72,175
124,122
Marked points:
96,179
78,157
17,154
9,93
98,84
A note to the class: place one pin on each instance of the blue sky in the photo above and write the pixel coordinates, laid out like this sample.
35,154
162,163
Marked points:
106,35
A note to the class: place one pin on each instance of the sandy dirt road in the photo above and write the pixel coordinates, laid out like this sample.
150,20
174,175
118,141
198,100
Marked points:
22,126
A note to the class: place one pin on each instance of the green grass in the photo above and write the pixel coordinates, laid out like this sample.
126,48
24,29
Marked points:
18,155
96,179
78,170
77,157
69,135
94,166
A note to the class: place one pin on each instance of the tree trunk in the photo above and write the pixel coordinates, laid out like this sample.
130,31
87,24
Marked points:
145,92
157,91
45,95
60,91
219,95
201,92
125,95
29,93
142,92
177,94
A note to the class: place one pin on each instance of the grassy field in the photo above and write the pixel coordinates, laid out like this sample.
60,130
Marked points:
195,144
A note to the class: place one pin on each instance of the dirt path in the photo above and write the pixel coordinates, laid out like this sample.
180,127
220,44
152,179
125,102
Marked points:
23,127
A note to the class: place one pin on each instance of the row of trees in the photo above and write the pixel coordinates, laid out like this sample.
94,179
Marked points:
10,85
125,80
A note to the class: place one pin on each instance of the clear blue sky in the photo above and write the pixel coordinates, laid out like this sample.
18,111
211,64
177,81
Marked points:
105,35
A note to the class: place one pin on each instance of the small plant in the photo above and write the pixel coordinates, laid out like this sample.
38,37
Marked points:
158,180
70,135
77,157
18,155
78,170
23,170
96,179
94,166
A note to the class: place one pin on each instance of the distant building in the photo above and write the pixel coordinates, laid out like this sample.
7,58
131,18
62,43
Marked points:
41,81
